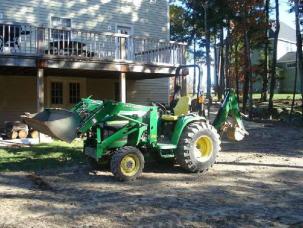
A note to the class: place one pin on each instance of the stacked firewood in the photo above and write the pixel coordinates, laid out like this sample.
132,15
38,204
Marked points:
17,129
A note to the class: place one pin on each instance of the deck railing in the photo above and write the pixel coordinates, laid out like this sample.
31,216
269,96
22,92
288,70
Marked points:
25,39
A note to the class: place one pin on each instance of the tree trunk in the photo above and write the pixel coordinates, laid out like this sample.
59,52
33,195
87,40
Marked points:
237,69
227,50
295,89
207,57
216,76
248,74
195,60
222,63
274,59
265,74
299,48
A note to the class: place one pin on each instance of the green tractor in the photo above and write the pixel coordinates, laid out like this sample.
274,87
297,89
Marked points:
123,132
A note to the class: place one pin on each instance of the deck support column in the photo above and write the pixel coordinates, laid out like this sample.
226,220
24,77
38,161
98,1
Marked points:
123,87
40,89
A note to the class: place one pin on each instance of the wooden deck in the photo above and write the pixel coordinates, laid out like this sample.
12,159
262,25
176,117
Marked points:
24,45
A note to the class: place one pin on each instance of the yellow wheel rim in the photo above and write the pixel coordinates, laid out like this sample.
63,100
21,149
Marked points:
130,165
204,145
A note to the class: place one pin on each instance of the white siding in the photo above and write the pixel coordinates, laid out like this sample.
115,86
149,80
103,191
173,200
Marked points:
147,18
285,47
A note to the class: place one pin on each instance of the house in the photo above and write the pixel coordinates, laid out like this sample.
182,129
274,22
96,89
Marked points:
288,65
52,53
286,53
286,56
286,41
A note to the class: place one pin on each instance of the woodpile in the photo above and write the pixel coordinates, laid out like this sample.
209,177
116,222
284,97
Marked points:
15,129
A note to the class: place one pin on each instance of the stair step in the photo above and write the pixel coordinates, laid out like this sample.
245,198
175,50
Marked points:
165,146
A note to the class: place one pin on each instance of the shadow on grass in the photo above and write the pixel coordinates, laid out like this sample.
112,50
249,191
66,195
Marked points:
38,157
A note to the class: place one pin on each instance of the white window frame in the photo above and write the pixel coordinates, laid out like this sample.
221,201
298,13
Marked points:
61,18
65,81
125,25
58,36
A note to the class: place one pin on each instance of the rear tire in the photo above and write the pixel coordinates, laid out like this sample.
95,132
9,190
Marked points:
198,147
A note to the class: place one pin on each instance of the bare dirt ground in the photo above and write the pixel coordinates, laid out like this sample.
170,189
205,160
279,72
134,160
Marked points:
257,182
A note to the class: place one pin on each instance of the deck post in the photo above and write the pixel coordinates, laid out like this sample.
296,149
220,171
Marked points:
123,74
40,89
40,40
123,87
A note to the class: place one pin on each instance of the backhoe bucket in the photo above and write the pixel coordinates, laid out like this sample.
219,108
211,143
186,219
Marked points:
58,123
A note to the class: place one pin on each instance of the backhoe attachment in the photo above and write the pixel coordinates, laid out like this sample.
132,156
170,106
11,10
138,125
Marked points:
233,126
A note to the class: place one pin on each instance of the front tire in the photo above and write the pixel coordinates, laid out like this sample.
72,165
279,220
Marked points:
127,163
198,147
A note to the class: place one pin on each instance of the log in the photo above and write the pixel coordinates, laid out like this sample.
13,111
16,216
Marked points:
12,135
13,128
34,134
22,134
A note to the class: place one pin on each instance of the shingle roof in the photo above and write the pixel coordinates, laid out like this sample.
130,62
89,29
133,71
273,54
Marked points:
288,57
286,33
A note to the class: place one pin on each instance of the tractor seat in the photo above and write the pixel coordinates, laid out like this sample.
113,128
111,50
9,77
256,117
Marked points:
182,108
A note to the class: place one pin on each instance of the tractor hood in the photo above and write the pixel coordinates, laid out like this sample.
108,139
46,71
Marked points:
58,123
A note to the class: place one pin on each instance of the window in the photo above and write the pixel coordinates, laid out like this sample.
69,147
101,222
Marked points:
291,65
61,22
74,92
57,93
127,30
58,23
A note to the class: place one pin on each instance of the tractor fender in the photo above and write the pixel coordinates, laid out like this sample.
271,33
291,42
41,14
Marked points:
182,123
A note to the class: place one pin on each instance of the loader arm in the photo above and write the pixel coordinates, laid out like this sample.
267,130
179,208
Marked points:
230,108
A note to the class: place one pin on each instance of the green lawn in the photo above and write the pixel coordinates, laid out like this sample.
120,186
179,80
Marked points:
279,96
43,156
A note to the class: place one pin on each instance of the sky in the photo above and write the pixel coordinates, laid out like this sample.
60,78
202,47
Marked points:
285,16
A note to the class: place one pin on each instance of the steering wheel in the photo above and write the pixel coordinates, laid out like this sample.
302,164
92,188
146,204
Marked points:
161,107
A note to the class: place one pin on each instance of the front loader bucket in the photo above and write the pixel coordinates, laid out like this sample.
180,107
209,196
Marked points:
58,123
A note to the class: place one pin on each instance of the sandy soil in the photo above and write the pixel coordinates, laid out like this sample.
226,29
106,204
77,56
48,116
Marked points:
257,182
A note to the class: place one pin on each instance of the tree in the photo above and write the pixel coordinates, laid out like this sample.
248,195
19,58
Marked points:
244,23
299,48
207,47
179,24
274,57
266,52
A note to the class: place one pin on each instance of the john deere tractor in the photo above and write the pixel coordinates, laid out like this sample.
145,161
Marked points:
123,132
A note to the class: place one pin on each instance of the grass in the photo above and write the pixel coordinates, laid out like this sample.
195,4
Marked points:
42,156
279,96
